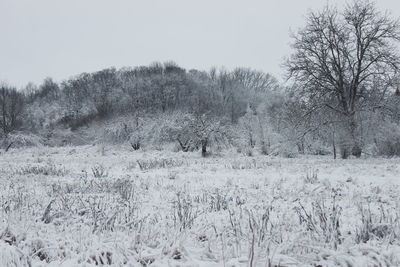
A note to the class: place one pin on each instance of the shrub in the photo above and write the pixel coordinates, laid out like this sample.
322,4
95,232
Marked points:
184,211
374,226
12,256
159,163
322,220
19,139
49,169
118,132
76,121
387,141
99,171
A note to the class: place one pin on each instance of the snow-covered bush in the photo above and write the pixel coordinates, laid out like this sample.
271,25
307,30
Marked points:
42,169
121,131
255,131
11,256
43,115
21,139
387,140
99,171
283,148
157,163
64,137
150,132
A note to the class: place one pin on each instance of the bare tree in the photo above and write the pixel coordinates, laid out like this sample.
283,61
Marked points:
198,131
338,57
11,107
104,83
206,130
49,89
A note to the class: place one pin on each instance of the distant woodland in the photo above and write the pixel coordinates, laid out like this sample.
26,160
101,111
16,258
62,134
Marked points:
340,97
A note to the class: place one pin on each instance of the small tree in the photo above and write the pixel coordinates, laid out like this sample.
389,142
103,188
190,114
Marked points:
137,134
249,124
206,129
196,131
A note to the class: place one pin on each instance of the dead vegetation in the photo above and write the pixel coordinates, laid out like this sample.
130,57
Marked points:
98,216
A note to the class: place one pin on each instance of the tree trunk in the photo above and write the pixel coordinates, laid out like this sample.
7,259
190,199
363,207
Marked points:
349,144
204,148
264,148
344,152
333,145
356,149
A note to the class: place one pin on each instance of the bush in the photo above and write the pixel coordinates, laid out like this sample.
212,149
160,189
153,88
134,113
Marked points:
12,256
286,150
387,141
19,139
74,122
47,169
99,171
159,163
119,132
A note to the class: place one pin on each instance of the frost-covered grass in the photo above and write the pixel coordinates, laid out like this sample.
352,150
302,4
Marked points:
88,206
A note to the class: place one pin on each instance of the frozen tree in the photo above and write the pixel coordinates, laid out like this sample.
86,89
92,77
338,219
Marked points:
30,91
257,86
206,129
249,124
337,58
48,90
11,107
104,84
198,131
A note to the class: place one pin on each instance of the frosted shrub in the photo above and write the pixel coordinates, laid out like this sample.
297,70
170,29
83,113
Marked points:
246,164
38,249
20,139
49,169
159,163
119,132
125,188
136,140
311,176
388,140
218,200
248,151
184,211
8,237
11,256
288,150
375,226
322,220
99,171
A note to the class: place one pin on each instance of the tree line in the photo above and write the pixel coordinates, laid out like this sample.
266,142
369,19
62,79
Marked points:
341,95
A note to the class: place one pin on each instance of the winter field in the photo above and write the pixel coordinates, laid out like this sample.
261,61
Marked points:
92,205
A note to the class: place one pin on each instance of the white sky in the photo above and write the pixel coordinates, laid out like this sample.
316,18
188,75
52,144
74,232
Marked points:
61,38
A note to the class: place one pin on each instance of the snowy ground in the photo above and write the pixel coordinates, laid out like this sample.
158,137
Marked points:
89,205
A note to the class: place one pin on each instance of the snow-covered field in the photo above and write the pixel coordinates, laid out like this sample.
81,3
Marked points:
89,205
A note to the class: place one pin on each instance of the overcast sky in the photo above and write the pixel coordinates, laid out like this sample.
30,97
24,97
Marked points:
62,38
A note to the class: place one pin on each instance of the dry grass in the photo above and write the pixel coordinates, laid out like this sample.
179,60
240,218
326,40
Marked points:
224,215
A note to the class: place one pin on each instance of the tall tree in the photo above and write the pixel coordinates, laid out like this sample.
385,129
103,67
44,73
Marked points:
338,57
11,107
49,90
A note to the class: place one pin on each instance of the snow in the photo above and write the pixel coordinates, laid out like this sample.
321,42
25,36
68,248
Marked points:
161,208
